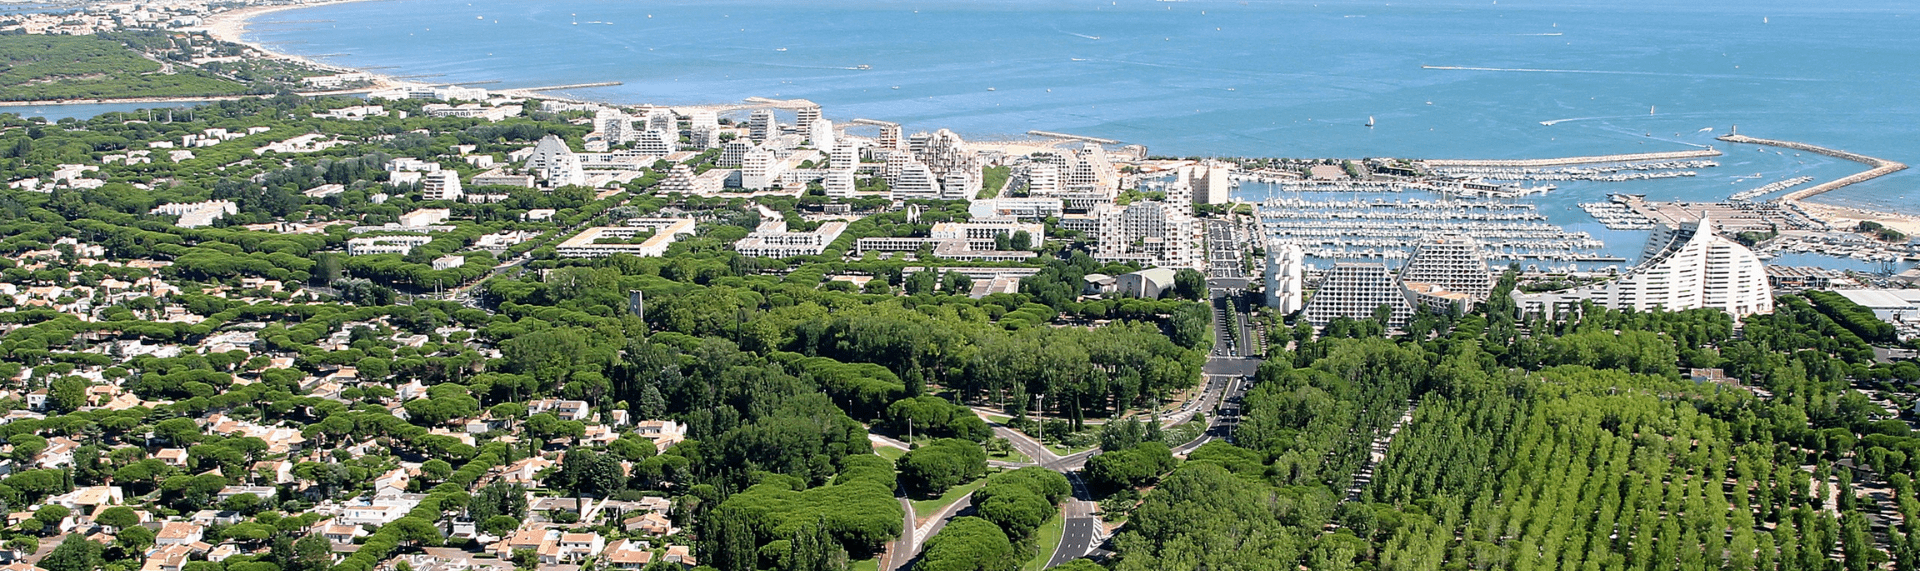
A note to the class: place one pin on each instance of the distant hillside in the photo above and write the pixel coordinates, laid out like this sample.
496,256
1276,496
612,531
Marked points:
39,67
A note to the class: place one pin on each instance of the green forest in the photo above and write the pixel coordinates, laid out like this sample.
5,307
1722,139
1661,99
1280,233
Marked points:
43,67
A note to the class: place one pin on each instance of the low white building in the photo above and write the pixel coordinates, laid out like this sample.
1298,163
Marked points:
772,240
603,241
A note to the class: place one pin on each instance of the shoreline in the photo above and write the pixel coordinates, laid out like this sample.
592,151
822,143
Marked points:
231,26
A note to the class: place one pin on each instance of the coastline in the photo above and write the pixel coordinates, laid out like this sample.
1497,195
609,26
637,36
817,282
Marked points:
231,26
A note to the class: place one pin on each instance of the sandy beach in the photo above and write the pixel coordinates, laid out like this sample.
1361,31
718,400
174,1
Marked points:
231,26
1847,217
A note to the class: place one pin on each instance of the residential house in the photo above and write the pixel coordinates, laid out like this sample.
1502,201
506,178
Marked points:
680,554
562,409
623,554
86,500
178,533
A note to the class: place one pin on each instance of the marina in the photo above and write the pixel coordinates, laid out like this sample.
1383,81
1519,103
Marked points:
1770,188
1360,229
1615,214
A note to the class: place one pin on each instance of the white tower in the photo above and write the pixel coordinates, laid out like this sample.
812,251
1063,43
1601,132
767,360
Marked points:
1285,265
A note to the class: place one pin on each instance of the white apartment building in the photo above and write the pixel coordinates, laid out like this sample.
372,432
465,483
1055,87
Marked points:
564,170
761,125
806,116
1683,267
844,156
955,167
441,185
655,142
1042,179
681,179
912,179
1152,233
1210,183
821,134
661,119
1455,263
1354,291
1090,171
772,240
734,153
760,168
1286,263
704,125
546,151
838,183
613,126
890,137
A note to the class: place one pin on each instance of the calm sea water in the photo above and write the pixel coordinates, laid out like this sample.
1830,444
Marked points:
1203,77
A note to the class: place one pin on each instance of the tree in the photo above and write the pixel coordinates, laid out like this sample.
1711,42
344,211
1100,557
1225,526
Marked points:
135,538
24,544
969,544
415,530
26,447
1190,284
499,525
75,554
436,470
1128,468
310,553
920,282
587,473
955,283
945,463
118,517
497,499
1021,240
50,516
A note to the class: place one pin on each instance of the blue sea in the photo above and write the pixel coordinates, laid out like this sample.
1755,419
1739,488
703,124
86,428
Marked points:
1227,77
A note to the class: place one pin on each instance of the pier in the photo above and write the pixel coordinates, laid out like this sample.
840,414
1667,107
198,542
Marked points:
1073,137
568,86
1564,161
1881,167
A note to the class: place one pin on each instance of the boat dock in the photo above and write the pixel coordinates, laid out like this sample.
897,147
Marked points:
1361,229
1564,161
1881,167
1073,137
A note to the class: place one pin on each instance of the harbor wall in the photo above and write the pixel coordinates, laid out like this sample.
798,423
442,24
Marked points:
1881,167
1564,161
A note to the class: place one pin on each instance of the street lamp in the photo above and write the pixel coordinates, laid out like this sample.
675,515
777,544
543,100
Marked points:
1040,416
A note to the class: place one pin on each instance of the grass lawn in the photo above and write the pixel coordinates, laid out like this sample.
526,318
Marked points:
1011,456
867,565
1045,539
889,452
923,509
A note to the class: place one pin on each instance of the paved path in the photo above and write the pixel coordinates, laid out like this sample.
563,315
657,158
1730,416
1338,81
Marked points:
903,549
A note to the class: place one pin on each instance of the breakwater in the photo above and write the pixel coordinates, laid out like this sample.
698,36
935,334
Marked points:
1881,167
1563,161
